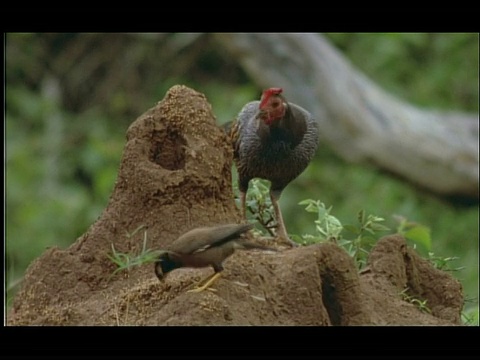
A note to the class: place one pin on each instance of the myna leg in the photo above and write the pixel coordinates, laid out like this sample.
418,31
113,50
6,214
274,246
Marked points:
207,282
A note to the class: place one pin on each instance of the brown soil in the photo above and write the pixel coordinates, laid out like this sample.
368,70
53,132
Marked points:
175,175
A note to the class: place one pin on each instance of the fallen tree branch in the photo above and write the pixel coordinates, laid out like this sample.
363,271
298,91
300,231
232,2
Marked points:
360,121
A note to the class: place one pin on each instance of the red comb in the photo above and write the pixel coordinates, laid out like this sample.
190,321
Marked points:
268,93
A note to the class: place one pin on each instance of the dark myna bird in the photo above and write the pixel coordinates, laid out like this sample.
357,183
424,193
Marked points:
202,247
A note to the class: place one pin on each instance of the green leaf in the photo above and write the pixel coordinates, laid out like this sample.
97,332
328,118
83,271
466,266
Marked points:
343,242
368,240
352,228
361,216
374,218
311,208
379,227
420,234
305,202
129,235
296,238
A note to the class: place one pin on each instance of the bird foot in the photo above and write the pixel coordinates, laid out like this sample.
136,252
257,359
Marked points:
287,241
207,283
200,289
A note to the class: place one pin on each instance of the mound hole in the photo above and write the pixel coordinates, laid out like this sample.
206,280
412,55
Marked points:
168,150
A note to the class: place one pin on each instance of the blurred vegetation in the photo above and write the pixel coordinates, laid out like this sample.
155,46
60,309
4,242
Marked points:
71,97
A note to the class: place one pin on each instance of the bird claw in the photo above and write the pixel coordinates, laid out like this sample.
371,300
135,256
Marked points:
200,289
287,242
293,244
206,284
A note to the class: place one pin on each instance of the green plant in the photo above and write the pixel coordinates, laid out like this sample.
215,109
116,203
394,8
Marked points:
442,263
470,315
259,204
260,209
421,304
327,227
360,246
417,233
127,261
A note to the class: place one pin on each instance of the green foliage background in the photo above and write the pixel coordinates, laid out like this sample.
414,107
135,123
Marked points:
71,97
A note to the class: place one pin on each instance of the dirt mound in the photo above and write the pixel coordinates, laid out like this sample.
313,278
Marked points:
175,175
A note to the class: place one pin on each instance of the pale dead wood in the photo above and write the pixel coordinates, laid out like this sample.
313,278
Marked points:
360,121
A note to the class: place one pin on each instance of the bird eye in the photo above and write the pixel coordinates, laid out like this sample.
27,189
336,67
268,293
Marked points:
275,104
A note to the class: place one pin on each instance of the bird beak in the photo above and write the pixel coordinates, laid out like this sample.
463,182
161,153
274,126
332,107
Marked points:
159,271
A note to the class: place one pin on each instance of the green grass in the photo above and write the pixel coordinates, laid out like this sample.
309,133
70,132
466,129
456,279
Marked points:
420,304
126,261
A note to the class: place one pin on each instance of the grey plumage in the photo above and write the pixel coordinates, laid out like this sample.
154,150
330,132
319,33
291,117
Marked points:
274,140
281,155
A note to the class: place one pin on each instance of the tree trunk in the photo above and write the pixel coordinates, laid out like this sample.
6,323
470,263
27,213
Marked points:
360,121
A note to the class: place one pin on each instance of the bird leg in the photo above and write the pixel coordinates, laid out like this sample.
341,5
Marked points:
243,200
207,282
281,231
